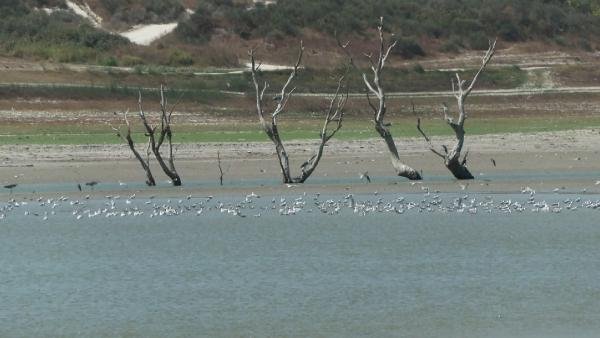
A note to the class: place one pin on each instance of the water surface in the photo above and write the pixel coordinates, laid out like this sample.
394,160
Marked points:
422,273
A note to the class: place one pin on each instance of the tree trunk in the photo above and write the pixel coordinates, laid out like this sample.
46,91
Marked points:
284,162
375,87
459,170
402,169
145,165
334,114
170,172
165,133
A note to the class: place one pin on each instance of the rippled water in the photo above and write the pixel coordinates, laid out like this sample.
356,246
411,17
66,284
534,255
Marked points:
422,273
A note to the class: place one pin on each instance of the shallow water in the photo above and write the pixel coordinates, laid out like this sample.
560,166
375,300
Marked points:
434,270
514,177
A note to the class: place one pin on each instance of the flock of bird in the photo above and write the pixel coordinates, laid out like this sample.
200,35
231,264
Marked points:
252,205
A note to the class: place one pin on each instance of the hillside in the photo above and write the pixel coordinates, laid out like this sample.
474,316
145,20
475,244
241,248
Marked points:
58,35
218,32
89,31
422,26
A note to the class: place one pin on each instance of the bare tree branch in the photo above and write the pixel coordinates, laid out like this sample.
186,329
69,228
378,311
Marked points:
334,114
371,104
375,87
452,160
428,140
168,166
346,48
484,62
145,163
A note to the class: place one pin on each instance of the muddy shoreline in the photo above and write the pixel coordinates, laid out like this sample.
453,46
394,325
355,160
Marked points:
562,160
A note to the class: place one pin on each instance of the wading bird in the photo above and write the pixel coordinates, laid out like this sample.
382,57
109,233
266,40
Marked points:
366,176
91,184
10,187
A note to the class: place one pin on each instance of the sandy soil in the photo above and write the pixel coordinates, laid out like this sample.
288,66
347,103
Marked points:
85,12
144,35
556,153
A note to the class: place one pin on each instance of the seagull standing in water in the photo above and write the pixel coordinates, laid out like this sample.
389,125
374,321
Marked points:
366,176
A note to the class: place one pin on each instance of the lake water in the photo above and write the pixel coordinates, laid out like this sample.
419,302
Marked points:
400,266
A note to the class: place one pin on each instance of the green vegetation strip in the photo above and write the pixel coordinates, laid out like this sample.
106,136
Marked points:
353,130
194,88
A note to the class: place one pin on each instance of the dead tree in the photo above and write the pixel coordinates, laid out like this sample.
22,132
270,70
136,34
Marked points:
220,168
145,162
379,109
335,113
452,158
157,135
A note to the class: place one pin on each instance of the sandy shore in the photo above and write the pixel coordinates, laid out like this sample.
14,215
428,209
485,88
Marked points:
567,160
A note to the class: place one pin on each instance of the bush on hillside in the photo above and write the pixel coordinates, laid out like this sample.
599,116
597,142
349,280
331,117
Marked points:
60,36
143,11
510,20
198,28
408,48
180,58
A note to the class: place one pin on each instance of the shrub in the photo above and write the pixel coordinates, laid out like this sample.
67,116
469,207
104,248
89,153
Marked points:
478,41
417,68
509,31
138,11
59,36
131,61
110,61
511,20
585,45
561,41
180,58
72,55
408,48
452,45
10,8
198,28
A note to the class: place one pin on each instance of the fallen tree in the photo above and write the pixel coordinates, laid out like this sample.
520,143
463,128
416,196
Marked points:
452,158
334,114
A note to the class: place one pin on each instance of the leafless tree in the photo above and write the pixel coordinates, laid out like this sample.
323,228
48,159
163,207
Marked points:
145,162
452,158
379,108
220,168
335,114
157,135
164,133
